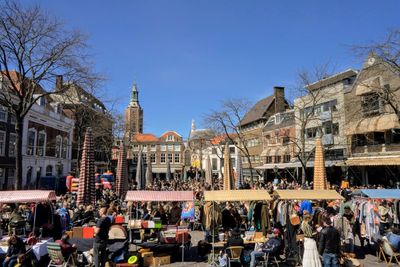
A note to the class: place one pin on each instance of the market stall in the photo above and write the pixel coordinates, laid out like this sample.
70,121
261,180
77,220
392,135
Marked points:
29,196
307,195
378,193
172,237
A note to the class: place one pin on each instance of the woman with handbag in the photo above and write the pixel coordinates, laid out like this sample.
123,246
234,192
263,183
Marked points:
311,256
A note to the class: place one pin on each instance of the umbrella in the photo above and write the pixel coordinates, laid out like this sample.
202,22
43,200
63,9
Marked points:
228,182
149,173
87,182
208,171
122,172
239,172
140,172
168,174
320,181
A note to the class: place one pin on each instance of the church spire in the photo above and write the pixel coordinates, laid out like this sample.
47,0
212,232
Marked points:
134,96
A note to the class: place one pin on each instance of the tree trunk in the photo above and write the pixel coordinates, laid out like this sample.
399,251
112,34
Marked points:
18,157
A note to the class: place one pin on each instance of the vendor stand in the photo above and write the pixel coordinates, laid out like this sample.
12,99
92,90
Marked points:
293,242
29,196
234,195
159,196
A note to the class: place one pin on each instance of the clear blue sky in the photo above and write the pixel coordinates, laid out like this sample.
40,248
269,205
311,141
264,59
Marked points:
188,55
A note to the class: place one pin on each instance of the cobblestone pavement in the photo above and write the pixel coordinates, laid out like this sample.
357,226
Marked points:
368,260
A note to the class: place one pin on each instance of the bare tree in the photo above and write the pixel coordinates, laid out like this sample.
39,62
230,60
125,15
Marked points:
387,53
227,121
34,49
306,106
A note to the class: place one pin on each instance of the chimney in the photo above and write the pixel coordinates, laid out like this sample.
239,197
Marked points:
59,82
279,94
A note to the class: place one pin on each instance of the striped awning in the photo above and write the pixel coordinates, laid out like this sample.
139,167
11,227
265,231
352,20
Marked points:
308,194
236,195
157,196
23,196
379,123
373,161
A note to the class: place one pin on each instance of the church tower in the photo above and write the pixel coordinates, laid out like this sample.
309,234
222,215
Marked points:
134,115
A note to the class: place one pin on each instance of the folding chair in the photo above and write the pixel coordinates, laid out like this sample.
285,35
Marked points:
56,257
270,255
386,250
235,253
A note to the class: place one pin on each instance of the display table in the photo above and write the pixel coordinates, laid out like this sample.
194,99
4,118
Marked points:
86,244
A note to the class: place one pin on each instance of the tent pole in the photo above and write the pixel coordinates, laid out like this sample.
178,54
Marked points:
34,219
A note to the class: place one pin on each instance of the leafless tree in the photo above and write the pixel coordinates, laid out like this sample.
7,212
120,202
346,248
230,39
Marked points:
34,49
226,121
387,52
306,104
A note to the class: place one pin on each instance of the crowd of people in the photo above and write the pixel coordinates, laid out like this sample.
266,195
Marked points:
322,236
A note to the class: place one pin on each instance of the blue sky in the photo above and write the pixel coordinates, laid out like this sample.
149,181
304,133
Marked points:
188,55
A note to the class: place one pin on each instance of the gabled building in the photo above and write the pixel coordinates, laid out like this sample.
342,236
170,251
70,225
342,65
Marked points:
87,111
373,128
253,122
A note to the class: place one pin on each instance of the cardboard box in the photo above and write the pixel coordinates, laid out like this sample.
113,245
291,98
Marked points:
161,260
88,232
77,232
147,258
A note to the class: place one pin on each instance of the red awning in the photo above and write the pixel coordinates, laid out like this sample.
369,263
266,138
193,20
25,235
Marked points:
21,196
159,196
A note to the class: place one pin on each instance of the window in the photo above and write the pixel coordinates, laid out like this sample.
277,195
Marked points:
135,157
214,164
153,148
286,158
232,150
170,147
153,158
144,157
13,119
135,148
49,170
162,159
30,150
214,151
11,178
285,140
58,146
41,144
312,132
64,149
177,158
2,171
144,148
277,159
2,143
170,138
12,145
3,114
170,158
177,147
370,104
163,147
268,159
233,162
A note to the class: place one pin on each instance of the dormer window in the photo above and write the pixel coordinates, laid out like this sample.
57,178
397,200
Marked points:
170,138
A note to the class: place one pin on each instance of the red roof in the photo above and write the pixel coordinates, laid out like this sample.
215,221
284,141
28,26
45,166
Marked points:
159,196
222,137
145,138
22,196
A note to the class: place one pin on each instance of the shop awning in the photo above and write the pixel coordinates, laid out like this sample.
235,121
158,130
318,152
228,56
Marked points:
22,196
308,194
297,164
379,123
236,195
157,196
373,161
379,193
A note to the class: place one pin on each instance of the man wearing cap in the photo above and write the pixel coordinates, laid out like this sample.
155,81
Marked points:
272,246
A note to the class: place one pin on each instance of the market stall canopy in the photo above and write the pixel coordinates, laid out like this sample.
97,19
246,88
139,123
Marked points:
373,161
379,193
159,196
308,194
22,196
236,195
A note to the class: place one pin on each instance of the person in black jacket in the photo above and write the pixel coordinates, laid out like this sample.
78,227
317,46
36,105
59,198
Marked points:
15,247
329,244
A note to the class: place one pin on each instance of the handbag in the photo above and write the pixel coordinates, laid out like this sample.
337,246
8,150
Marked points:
294,219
